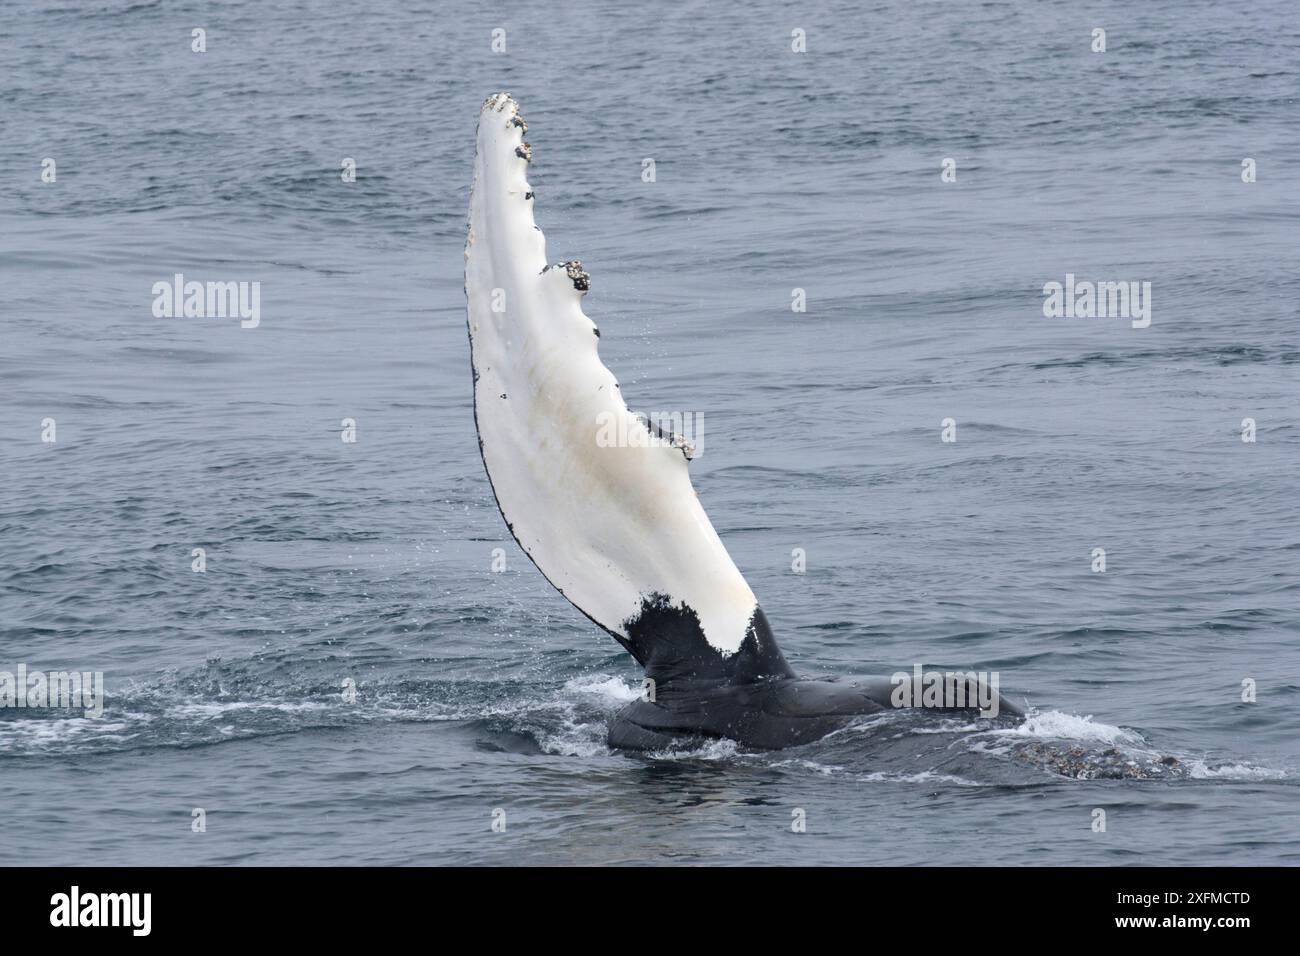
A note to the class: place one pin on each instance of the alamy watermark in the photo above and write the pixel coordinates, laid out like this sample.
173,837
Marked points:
57,689
208,300
946,690
1098,300
75,908
681,430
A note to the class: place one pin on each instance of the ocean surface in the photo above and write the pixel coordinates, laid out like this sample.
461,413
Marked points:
372,562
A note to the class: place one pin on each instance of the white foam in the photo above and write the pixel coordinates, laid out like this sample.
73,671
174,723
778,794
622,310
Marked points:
40,733
581,733
713,750
218,709
824,769
597,685
948,726
1055,725
924,776
575,739
1200,770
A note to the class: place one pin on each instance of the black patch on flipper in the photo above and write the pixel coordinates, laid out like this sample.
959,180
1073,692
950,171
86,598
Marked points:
669,643
665,434
581,280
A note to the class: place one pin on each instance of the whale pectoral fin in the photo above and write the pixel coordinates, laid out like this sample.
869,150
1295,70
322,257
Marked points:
599,499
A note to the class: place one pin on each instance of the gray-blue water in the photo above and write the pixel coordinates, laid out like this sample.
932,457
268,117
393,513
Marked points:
775,170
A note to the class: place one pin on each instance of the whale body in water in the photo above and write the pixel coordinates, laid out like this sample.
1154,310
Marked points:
616,526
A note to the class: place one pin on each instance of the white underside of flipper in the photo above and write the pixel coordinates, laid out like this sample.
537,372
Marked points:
609,526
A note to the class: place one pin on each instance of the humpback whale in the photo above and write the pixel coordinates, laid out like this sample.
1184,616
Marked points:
616,527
